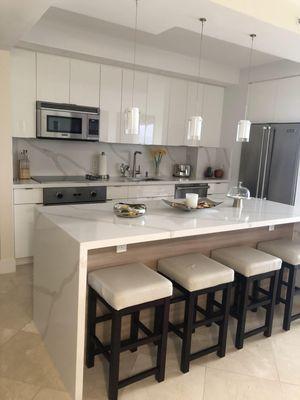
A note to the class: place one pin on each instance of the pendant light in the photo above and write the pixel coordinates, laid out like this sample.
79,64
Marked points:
132,114
244,125
195,122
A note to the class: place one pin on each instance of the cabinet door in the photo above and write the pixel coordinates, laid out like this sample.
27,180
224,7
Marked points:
212,115
23,79
262,100
157,109
288,100
194,105
53,78
139,100
84,83
24,230
177,113
110,103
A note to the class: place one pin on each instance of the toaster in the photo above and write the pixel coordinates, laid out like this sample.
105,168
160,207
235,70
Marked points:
182,170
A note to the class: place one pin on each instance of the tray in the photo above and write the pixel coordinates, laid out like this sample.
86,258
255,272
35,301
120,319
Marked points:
128,210
203,204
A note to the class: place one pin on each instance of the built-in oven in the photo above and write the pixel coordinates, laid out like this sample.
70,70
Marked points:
74,195
67,121
198,188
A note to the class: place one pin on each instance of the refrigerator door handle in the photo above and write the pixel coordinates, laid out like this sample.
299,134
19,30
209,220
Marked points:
260,160
266,162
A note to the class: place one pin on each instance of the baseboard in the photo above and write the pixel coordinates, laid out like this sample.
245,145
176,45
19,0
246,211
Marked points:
24,260
7,266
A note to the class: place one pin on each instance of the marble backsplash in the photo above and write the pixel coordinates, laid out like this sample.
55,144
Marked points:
55,157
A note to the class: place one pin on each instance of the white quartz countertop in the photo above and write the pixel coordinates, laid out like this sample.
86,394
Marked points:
96,226
114,181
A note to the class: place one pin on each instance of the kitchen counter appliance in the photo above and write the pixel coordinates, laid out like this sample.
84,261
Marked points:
74,195
182,170
198,188
270,161
67,121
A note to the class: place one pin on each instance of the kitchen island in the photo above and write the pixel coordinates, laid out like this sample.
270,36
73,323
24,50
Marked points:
71,240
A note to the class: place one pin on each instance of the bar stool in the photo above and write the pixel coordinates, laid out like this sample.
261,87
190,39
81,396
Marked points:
251,267
289,252
126,290
195,275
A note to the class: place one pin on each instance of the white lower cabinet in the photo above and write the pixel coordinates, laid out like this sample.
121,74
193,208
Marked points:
25,201
24,230
151,191
117,192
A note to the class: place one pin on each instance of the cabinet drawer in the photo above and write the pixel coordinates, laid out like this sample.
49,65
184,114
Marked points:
117,192
28,196
215,188
151,191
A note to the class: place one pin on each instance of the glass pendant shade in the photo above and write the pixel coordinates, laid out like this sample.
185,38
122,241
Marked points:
239,192
195,128
132,121
243,131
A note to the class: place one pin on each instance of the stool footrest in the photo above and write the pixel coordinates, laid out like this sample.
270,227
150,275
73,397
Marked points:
174,328
144,328
204,352
259,303
263,291
217,318
100,348
103,318
255,331
137,377
294,317
177,299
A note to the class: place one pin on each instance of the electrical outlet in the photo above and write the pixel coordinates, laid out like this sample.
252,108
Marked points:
271,228
122,248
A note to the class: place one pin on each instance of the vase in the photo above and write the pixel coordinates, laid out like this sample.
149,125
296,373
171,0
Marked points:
156,169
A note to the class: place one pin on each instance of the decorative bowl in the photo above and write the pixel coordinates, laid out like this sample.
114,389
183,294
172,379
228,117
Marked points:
126,210
203,203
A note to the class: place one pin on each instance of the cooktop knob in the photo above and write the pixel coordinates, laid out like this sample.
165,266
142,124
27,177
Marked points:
59,195
93,194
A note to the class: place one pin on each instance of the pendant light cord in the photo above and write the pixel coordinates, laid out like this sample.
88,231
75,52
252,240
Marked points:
202,20
134,50
253,36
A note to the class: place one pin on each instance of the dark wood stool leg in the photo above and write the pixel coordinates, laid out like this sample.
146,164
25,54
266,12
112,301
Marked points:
134,329
224,326
280,279
236,301
114,356
195,312
187,333
242,311
90,347
162,345
290,293
270,310
210,305
255,293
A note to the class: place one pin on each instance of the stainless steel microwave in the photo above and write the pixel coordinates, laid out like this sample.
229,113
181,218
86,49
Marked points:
67,121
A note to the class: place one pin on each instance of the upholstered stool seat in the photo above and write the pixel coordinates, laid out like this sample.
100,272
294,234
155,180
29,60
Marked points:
195,271
195,275
289,252
126,286
127,290
251,267
285,249
246,260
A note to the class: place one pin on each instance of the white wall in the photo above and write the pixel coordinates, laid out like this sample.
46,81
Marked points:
7,262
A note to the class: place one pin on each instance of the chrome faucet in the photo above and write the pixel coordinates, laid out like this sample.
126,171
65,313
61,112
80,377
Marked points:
134,170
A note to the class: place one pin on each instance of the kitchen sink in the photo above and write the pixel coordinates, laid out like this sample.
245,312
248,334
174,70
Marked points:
144,179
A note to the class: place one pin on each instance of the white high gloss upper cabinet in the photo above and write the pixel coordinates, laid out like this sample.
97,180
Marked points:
23,93
84,83
177,112
110,103
158,98
212,115
262,101
288,100
139,100
53,78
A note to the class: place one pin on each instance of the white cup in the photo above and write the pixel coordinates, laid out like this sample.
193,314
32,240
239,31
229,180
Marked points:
191,200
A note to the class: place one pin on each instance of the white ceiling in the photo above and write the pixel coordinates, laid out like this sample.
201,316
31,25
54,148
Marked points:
171,18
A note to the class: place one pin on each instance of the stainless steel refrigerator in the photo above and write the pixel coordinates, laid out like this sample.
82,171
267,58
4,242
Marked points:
270,161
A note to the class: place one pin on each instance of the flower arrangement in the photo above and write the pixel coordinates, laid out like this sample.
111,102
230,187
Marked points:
157,155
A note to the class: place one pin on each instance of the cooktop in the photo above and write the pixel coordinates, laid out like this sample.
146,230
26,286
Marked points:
64,178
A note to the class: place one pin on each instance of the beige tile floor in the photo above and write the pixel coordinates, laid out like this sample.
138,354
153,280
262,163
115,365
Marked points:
265,369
